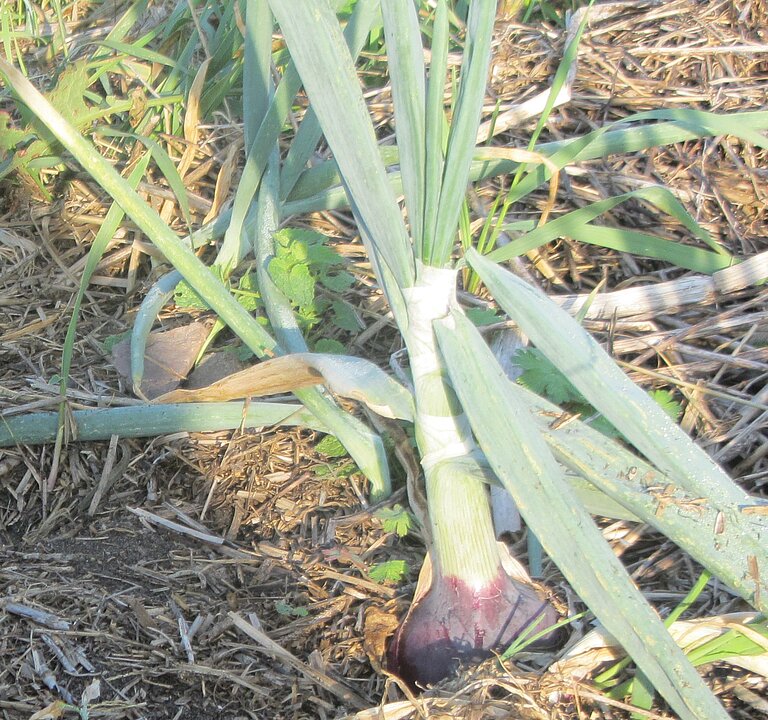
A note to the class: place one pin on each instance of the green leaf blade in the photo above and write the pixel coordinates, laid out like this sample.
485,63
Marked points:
627,407
322,57
527,469
406,71
435,127
461,139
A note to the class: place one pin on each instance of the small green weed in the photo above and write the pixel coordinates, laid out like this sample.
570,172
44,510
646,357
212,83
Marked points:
483,316
391,571
185,297
283,608
309,273
543,378
303,262
331,447
551,10
31,149
749,639
396,519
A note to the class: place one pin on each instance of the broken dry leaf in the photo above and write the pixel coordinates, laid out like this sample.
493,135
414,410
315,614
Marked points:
378,627
168,358
598,646
55,710
271,377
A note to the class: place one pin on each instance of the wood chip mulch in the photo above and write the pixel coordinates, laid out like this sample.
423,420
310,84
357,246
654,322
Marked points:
227,575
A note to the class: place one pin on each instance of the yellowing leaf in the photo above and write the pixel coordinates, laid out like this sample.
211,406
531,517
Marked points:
55,710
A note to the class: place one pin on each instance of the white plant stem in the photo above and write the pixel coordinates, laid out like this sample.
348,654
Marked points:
457,497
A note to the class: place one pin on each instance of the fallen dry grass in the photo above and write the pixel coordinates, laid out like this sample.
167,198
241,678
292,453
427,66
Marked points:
227,575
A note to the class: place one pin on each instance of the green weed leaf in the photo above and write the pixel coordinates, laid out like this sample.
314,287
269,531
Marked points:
344,316
10,137
543,378
483,316
395,519
337,282
666,400
391,571
322,255
185,297
111,340
247,292
283,608
329,345
331,447
293,280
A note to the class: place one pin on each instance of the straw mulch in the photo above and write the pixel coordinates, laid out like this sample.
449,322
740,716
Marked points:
227,575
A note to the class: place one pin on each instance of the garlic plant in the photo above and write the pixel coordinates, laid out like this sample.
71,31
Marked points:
461,394
473,427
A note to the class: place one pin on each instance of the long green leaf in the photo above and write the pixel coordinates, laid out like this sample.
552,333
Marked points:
235,244
521,459
651,246
362,20
154,420
162,291
257,67
135,50
628,408
654,498
592,371
461,139
198,275
317,46
164,164
574,222
155,299
435,126
713,123
319,187
106,232
685,124
405,60
564,69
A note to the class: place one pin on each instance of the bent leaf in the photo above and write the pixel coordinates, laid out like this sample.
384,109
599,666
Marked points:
592,371
614,474
628,408
346,376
